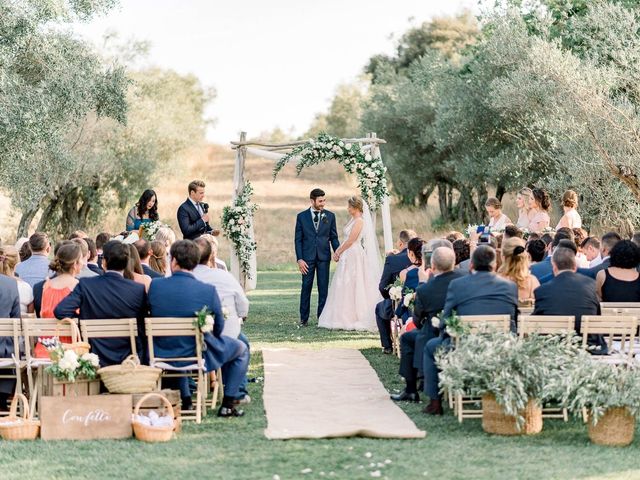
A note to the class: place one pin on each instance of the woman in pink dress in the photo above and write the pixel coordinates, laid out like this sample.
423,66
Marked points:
540,207
571,218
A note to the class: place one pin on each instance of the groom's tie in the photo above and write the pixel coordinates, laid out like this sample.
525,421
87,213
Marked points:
316,220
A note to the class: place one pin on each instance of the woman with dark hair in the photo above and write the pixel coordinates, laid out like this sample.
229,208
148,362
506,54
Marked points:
537,250
539,212
145,211
621,281
462,249
410,275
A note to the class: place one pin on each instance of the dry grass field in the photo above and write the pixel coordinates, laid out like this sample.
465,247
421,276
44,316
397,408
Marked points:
279,201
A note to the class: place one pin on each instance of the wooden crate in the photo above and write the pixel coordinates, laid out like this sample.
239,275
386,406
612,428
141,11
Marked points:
155,403
52,387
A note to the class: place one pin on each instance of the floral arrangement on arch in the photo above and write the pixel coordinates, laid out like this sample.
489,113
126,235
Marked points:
236,225
369,171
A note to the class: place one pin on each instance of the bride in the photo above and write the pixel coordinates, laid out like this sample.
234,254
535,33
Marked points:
353,293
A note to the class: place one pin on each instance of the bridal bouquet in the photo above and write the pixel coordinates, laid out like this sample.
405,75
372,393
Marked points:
68,365
148,231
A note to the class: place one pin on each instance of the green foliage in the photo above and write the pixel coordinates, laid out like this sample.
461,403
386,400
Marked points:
237,225
345,112
513,369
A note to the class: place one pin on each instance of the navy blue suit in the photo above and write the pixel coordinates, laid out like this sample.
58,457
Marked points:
108,296
151,272
9,308
190,221
542,270
314,247
481,293
570,294
181,295
393,265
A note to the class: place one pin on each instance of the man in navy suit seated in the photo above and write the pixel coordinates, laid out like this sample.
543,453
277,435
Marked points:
181,295
569,293
109,296
543,270
481,293
393,265
430,298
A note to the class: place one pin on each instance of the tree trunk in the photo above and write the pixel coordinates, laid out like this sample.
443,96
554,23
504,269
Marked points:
25,222
500,191
445,212
47,214
69,218
423,198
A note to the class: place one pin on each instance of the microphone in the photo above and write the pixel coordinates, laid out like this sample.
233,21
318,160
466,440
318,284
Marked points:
205,207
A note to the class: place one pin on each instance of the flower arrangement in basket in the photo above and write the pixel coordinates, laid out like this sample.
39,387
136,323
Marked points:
67,364
237,221
149,230
19,428
609,393
512,375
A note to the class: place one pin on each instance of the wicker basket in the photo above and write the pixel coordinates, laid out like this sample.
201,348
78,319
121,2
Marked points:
147,433
26,429
494,420
130,377
615,428
77,345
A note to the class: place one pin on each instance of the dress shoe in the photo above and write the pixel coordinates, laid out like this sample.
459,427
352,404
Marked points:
420,385
187,403
387,351
303,324
406,397
434,408
227,412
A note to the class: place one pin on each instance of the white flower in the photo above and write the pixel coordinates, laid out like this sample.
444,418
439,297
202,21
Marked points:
408,298
232,222
367,157
395,293
208,324
240,221
225,312
92,358
339,151
65,364
72,358
435,322
347,146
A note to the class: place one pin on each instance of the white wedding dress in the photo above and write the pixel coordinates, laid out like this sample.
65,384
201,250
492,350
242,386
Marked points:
353,293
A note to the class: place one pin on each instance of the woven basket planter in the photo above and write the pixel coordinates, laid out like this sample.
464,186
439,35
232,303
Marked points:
615,428
146,433
19,428
495,421
130,377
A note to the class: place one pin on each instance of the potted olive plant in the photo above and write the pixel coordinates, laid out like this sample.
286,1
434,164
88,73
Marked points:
609,394
509,373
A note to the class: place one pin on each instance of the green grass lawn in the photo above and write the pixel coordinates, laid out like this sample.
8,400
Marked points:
237,448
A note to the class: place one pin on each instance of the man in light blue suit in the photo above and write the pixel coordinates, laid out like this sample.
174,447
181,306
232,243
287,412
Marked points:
316,235
181,295
481,293
9,308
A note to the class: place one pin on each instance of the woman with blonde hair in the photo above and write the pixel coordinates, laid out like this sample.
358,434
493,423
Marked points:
515,267
571,217
9,258
214,262
523,202
158,257
168,237
134,269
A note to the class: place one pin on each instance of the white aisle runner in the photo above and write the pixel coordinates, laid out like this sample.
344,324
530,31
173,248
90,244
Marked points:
328,393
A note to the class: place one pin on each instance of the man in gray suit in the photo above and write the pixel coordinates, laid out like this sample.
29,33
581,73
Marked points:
9,308
481,293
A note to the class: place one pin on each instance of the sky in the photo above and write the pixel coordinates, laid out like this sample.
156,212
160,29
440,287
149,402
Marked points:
273,63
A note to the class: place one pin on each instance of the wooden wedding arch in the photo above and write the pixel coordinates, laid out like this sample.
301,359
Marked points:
275,151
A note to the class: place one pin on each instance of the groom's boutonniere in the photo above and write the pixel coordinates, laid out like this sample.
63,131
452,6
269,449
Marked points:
323,216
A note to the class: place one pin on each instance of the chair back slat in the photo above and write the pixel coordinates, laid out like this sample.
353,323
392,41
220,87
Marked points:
620,305
499,322
546,324
111,328
611,327
10,327
171,327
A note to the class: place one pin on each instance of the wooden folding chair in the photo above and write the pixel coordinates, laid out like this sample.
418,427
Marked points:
548,325
111,328
180,327
618,328
502,323
11,328
34,328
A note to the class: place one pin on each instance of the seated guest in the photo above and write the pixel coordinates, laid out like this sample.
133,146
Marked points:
144,252
462,250
158,258
24,250
591,248
410,277
543,270
215,261
621,281
180,296
636,238
429,302
511,231
101,239
453,236
36,268
92,262
85,272
393,265
168,237
515,267
569,293
580,235
607,243
78,234
9,308
537,250
134,269
9,258
497,220
109,296
482,293
66,265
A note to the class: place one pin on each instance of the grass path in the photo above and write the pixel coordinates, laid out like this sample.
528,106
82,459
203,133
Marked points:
237,449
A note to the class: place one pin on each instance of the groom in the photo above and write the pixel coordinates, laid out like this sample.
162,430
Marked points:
316,234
